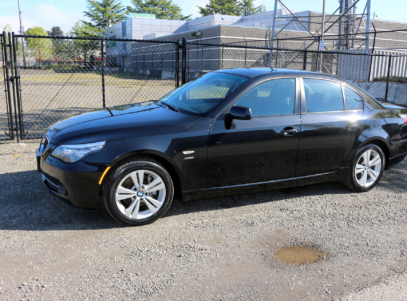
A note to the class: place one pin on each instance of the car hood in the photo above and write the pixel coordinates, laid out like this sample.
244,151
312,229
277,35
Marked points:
121,122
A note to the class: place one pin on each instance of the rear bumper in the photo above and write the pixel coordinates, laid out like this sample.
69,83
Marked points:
75,182
394,161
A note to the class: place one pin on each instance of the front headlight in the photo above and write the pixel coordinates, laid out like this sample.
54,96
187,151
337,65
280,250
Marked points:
73,153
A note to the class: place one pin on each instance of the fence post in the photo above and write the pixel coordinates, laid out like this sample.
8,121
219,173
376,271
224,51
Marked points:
103,73
177,64
304,64
245,56
184,61
13,85
17,86
388,78
372,57
8,84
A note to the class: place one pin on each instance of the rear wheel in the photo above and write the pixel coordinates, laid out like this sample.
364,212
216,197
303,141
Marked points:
366,169
138,192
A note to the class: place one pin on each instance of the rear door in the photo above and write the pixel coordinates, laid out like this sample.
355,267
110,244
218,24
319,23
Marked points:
263,148
332,119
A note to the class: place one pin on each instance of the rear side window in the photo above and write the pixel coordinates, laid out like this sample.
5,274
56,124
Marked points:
371,101
270,98
353,100
322,96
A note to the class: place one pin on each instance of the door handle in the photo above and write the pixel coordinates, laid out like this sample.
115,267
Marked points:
289,131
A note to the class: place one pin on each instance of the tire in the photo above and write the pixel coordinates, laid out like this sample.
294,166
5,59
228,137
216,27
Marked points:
131,205
363,177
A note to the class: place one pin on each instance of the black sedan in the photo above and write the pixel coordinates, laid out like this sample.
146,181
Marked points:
226,132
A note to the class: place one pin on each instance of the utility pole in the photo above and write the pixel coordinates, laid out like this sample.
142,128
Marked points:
272,33
368,26
21,32
340,24
321,38
346,31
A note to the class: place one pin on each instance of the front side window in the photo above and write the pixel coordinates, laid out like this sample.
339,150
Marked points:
353,100
322,96
270,98
201,95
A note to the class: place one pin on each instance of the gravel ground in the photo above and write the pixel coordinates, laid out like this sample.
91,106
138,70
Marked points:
214,249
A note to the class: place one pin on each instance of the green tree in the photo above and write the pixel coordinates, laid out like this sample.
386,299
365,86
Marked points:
83,48
58,46
104,13
41,48
162,9
224,7
248,8
7,29
55,31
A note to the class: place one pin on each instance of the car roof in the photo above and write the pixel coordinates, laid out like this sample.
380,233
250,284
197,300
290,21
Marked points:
254,72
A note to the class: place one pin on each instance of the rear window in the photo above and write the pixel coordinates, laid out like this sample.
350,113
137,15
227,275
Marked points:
353,100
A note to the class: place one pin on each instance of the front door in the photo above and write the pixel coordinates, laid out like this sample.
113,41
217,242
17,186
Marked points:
263,148
331,125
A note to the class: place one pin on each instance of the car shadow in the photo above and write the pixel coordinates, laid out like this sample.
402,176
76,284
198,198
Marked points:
27,205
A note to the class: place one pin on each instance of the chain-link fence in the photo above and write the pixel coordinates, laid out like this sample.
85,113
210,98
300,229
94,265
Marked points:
65,76
372,72
56,77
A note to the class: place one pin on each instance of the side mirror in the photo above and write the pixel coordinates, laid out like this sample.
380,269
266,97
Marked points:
241,113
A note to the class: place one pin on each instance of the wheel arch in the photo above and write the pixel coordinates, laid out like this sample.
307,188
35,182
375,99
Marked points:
380,143
161,158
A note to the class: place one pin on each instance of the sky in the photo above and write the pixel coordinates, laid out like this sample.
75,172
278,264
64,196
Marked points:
64,13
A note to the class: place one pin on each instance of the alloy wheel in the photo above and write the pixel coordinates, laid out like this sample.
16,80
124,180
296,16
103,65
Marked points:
140,194
368,168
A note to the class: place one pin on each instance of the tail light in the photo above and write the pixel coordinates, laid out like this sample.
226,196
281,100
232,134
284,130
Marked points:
405,119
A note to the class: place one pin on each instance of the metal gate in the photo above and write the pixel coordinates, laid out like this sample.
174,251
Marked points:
7,124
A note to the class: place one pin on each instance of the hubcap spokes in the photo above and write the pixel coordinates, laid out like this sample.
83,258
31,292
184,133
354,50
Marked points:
368,168
140,194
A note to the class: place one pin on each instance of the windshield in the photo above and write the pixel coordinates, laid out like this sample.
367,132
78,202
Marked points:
201,95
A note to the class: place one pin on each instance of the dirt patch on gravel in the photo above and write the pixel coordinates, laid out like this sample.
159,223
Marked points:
299,254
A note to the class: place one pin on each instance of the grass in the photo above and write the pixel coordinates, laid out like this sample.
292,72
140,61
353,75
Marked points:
393,79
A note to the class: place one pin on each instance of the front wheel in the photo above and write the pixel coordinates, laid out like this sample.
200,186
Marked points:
366,169
138,192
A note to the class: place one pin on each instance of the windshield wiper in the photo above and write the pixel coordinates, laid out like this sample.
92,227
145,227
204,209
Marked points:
174,108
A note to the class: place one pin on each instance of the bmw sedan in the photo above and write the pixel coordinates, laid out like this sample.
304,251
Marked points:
227,132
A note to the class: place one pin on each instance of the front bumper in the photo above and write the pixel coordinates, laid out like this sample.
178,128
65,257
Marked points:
76,182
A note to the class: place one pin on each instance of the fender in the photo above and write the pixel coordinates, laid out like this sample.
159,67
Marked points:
161,155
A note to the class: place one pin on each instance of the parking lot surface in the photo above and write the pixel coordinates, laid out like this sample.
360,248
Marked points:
213,249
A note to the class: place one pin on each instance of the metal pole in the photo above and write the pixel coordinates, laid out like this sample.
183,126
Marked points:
368,25
184,61
321,38
340,24
13,86
103,74
245,56
388,78
17,86
304,64
177,64
372,57
8,84
273,31
21,32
